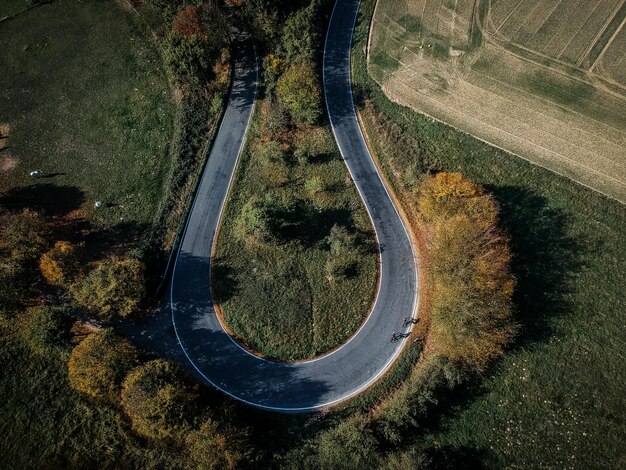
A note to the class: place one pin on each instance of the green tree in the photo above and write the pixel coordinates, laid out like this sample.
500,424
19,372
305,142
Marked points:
216,446
46,328
300,38
350,445
23,237
158,401
298,90
187,58
98,365
256,221
114,287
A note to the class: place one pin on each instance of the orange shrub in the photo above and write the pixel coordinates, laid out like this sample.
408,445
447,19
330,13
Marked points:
60,264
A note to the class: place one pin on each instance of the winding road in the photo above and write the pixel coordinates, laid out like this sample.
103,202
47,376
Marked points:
218,358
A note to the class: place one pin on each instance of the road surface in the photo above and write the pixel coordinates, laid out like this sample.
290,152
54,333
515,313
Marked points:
219,359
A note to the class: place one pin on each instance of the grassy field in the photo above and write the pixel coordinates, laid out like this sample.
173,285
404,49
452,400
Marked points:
11,7
557,399
496,82
278,298
95,114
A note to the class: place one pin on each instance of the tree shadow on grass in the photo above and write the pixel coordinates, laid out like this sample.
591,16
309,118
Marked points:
51,199
545,258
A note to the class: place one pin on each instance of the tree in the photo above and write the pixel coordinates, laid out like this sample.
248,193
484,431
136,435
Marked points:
349,445
273,67
61,264
216,447
23,237
159,403
187,23
99,364
472,310
186,58
46,328
301,35
299,92
114,287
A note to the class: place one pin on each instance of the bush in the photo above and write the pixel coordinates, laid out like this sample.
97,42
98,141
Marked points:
61,264
340,240
269,152
158,401
99,364
298,90
315,185
114,287
46,328
256,221
341,267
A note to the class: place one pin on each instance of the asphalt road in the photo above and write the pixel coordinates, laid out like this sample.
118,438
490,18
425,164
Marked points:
349,369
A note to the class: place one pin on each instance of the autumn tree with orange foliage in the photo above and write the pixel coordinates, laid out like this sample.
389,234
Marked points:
472,315
187,23
60,265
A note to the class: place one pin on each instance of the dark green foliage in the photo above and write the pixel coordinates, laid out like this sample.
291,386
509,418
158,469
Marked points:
300,36
186,58
349,445
99,364
46,328
23,238
158,401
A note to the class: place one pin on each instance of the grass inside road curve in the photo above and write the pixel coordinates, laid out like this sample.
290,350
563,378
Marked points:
283,298
85,99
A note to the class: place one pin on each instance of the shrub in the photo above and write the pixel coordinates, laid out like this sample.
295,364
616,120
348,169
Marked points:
46,328
157,400
61,264
340,240
114,287
315,185
99,364
341,267
256,221
298,90
269,152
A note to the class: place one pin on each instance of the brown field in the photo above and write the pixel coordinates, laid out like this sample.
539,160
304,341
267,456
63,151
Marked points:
544,79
